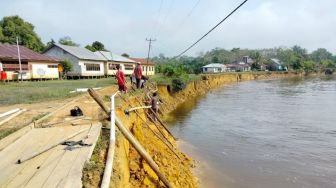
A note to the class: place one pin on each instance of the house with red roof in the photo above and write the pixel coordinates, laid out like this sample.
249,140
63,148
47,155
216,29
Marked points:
33,64
148,67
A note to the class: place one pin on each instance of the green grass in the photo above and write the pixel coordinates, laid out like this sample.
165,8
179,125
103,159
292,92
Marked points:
32,92
164,80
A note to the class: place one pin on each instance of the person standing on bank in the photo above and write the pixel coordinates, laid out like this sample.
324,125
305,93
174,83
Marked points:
138,74
120,76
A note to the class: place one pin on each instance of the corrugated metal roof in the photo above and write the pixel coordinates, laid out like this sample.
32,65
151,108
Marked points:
81,53
142,61
113,57
9,52
214,65
276,61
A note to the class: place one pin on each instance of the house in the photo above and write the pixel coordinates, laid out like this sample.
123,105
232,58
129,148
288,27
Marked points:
33,64
214,68
276,65
112,60
248,60
242,65
148,67
85,63
238,67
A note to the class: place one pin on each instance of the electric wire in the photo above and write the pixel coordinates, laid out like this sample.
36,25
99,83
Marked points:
157,20
212,29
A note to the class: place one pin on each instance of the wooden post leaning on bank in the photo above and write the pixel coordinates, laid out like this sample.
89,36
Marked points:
131,139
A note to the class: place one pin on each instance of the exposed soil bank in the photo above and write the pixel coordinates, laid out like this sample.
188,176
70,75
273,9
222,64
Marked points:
129,169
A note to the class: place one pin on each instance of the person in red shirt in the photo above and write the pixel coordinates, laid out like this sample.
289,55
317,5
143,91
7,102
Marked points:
138,74
120,76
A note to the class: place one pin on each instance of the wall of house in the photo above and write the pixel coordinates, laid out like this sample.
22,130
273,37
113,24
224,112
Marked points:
83,68
213,70
122,64
63,55
40,70
150,70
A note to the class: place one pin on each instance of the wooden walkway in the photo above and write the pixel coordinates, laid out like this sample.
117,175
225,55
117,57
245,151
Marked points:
59,167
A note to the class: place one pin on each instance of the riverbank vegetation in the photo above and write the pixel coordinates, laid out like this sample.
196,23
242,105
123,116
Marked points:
295,59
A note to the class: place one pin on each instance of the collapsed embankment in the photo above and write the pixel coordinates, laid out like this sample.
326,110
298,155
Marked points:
129,168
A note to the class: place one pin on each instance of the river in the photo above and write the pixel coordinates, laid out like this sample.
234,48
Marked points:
267,133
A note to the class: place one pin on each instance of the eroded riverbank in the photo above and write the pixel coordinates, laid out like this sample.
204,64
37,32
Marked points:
130,170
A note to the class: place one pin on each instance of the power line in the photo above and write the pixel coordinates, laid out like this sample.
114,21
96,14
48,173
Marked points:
157,20
210,30
165,17
182,23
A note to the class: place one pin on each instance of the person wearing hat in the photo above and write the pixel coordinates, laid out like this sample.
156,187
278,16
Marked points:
138,74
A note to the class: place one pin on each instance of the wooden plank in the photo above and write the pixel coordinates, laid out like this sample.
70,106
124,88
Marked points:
50,168
14,136
34,141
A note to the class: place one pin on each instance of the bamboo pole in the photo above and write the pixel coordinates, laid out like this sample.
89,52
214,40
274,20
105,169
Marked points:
132,140
19,161
157,117
161,122
170,145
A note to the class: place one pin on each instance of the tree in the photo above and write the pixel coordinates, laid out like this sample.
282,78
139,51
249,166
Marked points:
1,35
67,41
256,56
308,66
67,65
89,47
96,46
320,54
125,55
14,26
50,43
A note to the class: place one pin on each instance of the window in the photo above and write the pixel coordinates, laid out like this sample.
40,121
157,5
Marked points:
128,67
92,67
52,66
112,66
14,66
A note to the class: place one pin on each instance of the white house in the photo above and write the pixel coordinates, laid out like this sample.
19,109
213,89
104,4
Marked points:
33,64
214,68
112,60
85,63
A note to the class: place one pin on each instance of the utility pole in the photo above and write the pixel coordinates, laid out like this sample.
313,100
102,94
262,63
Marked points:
150,40
18,48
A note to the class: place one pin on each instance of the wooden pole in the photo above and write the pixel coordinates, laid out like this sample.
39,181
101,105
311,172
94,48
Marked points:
132,139
19,161
170,145
161,122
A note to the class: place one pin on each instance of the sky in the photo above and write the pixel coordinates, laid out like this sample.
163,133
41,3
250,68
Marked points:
124,25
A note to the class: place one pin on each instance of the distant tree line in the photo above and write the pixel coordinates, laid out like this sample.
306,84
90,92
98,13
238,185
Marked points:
295,59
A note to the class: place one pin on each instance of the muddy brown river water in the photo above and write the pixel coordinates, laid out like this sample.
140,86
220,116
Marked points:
261,134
